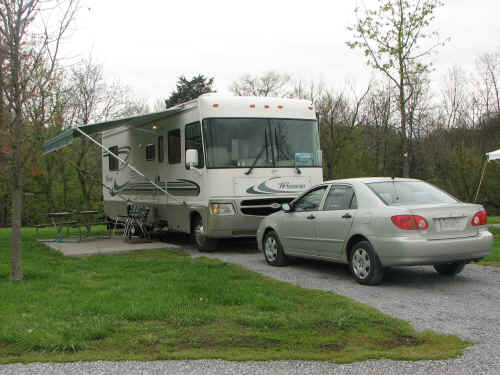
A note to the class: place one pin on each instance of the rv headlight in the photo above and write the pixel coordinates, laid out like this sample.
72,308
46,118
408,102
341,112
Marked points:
221,209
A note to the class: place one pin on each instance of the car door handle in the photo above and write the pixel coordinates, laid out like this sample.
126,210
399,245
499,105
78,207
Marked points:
310,217
347,216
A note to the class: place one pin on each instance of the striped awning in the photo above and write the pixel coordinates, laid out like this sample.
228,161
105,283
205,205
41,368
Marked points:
142,121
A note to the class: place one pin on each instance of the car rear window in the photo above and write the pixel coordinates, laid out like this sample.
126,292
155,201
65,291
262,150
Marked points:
398,193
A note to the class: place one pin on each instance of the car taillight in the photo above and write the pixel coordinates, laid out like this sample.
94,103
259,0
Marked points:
410,222
480,218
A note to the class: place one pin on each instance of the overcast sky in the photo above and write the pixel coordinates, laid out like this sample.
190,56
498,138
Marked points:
148,44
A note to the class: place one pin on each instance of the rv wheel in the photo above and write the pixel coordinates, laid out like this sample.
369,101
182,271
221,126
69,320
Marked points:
203,243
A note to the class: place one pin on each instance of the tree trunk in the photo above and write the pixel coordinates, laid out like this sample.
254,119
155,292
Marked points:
404,137
17,208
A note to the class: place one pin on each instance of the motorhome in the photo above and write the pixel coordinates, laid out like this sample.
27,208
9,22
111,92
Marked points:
212,167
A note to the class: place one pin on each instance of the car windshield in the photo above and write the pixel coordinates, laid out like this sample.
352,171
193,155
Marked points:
399,193
261,142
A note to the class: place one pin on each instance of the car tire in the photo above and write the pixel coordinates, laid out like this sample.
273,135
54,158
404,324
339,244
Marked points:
450,269
203,243
273,250
365,265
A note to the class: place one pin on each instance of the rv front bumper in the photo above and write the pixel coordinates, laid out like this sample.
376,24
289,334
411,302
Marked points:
231,226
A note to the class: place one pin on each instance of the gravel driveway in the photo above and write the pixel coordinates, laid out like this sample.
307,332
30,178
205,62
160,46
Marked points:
467,306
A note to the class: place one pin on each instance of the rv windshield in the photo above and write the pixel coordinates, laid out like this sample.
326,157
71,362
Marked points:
261,142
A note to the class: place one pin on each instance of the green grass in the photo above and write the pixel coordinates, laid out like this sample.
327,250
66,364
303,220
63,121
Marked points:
164,305
494,219
494,258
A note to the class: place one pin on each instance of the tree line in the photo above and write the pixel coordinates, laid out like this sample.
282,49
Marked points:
450,127
399,124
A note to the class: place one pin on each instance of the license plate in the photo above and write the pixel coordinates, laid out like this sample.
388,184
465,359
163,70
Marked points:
449,223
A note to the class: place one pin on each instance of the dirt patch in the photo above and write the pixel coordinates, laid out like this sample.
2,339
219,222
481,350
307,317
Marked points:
399,341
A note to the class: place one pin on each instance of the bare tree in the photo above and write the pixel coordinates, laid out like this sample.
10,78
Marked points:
310,91
391,38
90,99
488,67
455,99
27,42
268,84
380,117
340,115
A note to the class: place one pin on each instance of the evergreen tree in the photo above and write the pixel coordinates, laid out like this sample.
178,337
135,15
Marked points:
189,89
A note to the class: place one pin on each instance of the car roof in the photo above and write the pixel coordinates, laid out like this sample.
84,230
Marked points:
367,180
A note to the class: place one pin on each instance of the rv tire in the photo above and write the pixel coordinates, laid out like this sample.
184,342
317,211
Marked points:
204,244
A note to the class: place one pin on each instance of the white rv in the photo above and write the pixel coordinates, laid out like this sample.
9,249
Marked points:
212,167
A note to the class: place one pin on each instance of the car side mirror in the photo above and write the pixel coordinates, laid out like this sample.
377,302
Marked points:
191,159
286,207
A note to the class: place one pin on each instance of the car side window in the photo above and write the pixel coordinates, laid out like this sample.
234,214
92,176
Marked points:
311,201
341,198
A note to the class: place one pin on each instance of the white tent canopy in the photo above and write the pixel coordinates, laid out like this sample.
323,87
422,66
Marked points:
494,155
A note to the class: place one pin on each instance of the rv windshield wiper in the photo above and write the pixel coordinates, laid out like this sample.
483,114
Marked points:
264,147
279,151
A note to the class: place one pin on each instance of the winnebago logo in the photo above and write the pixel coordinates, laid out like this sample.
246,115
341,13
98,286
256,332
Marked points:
278,185
287,185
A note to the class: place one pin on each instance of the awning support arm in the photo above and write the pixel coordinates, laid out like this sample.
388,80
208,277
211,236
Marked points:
481,180
127,164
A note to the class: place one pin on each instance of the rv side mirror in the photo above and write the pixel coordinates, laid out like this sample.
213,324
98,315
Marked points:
285,207
191,159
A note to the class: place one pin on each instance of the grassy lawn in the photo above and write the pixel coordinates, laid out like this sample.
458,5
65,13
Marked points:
494,258
164,305
494,219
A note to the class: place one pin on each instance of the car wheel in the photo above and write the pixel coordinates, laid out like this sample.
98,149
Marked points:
273,251
450,269
204,244
365,265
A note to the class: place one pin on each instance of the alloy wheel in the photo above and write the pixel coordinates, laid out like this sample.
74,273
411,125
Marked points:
361,264
271,248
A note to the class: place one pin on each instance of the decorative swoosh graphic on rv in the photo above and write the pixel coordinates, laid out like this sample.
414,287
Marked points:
283,187
182,184
175,187
117,189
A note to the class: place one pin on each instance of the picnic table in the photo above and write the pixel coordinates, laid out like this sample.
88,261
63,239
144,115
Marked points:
72,219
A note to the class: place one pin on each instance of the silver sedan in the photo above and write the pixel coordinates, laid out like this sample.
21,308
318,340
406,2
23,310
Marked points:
373,223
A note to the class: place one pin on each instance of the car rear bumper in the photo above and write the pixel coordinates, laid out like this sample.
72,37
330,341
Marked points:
402,251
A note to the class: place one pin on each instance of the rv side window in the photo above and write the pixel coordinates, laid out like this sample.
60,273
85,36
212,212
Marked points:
174,146
161,152
193,141
150,152
113,162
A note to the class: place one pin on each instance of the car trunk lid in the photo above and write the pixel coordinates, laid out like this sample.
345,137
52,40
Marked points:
448,220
